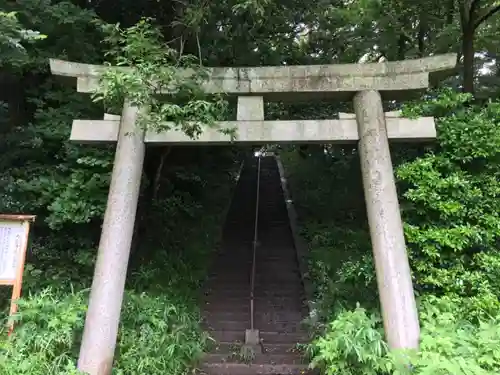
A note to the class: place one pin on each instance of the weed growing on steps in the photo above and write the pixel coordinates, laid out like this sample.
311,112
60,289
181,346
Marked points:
246,353
241,352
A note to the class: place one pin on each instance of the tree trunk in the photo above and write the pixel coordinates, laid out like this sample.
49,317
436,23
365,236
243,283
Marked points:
451,12
421,43
468,59
12,92
422,34
401,47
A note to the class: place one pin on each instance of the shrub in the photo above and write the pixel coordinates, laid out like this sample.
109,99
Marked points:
451,344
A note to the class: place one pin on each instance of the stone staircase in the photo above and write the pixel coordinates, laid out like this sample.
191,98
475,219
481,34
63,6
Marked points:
279,299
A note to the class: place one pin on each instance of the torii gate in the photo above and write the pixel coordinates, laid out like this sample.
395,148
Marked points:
365,84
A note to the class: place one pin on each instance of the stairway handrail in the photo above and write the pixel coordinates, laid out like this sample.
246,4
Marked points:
255,238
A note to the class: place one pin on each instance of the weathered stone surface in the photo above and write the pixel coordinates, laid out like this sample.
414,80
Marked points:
390,114
277,83
103,315
250,108
293,131
109,116
397,298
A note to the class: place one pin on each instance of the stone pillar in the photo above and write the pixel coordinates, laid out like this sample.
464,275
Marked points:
103,315
386,229
250,108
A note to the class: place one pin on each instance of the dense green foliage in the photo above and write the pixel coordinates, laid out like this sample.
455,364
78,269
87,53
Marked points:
181,210
449,191
449,196
159,330
155,70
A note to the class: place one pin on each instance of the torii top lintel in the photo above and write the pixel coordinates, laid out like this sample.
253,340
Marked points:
339,81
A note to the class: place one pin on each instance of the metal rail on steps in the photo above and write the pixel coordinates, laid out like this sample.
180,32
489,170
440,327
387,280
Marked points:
255,244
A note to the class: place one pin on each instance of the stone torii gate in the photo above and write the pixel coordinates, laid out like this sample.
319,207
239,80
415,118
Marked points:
365,84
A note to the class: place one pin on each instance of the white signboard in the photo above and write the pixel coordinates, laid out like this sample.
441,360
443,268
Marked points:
12,238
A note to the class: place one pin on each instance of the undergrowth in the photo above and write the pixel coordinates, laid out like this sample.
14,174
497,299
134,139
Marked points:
159,329
183,198
450,207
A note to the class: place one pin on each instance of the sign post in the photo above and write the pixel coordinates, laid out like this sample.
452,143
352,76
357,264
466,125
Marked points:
14,232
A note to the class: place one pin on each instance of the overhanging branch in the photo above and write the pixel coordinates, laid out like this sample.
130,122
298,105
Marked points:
474,5
485,14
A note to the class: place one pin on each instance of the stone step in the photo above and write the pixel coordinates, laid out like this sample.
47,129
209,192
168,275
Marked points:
212,316
275,280
288,260
228,336
276,288
283,338
276,246
244,271
266,337
286,316
218,308
286,257
260,324
262,271
261,297
261,305
261,308
231,294
290,289
284,223
282,327
253,369
277,276
270,349
256,359
221,283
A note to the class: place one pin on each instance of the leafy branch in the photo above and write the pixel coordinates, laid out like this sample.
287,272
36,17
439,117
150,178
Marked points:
12,36
154,77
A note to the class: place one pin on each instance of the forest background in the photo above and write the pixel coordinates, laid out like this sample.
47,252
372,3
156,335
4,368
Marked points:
449,190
